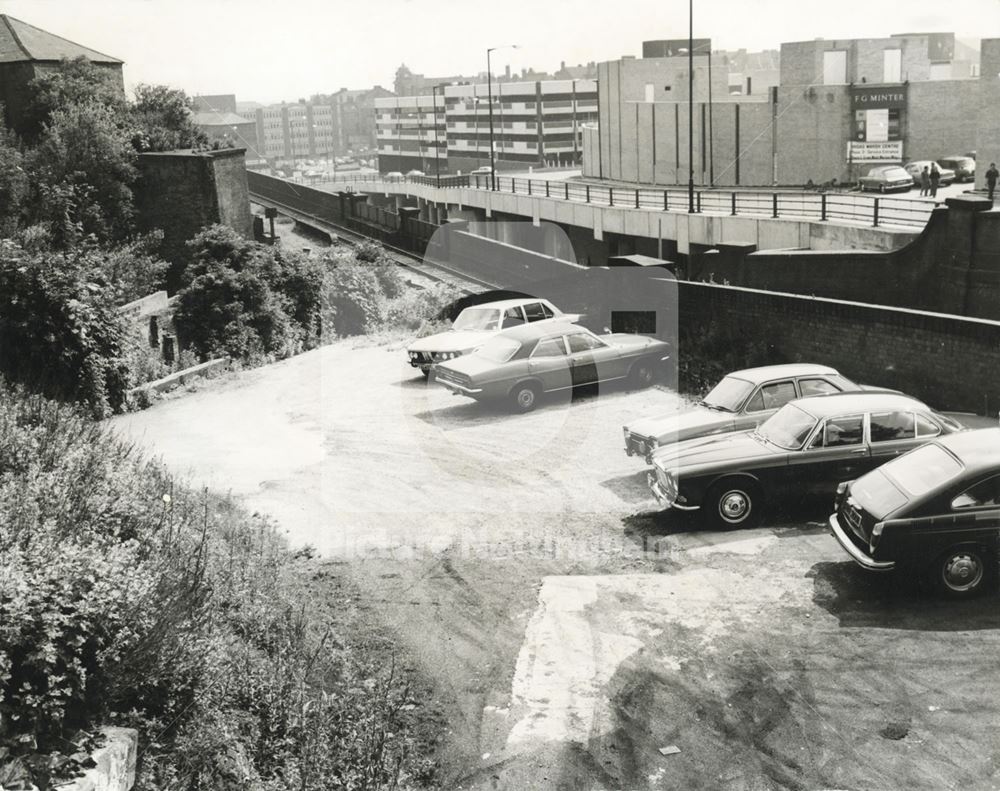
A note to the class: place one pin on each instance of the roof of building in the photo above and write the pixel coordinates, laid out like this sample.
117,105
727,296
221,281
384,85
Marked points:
213,118
20,41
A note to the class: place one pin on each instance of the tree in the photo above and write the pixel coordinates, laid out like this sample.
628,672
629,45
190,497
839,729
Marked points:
74,82
13,183
162,118
84,169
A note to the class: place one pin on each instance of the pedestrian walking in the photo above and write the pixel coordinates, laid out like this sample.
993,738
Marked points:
991,179
925,181
935,180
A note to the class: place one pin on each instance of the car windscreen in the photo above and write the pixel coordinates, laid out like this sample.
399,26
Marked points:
787,428
478,319
498,350
728,395
921,470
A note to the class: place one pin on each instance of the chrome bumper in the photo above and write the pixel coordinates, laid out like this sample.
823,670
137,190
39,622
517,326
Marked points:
663,498
852,549
458,389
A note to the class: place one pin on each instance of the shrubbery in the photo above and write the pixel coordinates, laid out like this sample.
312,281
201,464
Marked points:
710,351
128,599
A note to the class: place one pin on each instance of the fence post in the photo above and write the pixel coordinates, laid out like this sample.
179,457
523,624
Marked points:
611,196
513,184
529,186
547,182
822,206
666,201
588,193
774,204
637,198
566,185
699,203
734,203
875,214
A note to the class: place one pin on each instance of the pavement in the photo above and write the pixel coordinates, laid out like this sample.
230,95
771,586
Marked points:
576,638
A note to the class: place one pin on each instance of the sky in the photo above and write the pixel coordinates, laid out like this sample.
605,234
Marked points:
275,50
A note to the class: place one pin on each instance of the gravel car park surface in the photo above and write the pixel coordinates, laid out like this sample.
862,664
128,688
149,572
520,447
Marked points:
574,636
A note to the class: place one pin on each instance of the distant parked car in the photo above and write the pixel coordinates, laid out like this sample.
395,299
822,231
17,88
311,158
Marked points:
886,178
805,449
481,170
520,365
410,173
393,175
933,512
742,400
971,155
964,167
916,167
477,324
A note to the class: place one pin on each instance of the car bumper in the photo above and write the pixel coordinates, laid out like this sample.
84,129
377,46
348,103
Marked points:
639,446
857,555
665,500
458,389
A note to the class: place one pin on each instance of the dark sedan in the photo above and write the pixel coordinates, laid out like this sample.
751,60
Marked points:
520,364
805,449
934,511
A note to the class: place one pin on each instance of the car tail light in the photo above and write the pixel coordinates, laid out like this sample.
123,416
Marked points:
876,535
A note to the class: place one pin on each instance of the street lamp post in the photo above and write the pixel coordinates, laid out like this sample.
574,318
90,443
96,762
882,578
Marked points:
690,106
489,89
437,150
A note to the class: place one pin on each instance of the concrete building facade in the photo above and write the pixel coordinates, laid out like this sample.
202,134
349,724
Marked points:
839,108
535,123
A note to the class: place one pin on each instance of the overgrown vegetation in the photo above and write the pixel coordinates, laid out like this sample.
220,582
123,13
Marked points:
710,351
127,598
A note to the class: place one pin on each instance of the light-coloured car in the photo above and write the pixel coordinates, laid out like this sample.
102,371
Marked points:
410,173
742,400
393,175
916,167
886,178
963,167
477,324
521,364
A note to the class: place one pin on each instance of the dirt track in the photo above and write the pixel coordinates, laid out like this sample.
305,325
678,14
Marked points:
571,633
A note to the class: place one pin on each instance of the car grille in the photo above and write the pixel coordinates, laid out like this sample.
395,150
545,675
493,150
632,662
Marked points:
421,357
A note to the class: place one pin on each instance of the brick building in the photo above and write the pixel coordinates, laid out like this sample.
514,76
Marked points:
838,108
27,52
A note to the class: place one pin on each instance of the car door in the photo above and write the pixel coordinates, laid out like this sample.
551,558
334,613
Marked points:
836,452
766,400
550,364
892,434
582,348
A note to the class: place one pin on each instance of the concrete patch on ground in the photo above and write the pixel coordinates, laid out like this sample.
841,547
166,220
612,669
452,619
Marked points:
586,626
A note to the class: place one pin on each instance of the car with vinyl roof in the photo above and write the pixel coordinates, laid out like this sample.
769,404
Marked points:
933,512
802,452
741,400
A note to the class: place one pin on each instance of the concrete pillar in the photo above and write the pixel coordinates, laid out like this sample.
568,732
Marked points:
988,127
154,332
168,348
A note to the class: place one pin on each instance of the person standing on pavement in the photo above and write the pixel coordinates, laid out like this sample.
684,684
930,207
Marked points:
935,180
925,181
991,179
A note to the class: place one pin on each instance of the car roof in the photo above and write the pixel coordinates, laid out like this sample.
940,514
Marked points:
766,373
978,449
507,303
858,401
531,332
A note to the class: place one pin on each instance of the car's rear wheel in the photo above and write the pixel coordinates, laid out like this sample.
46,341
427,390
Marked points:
643,373
964,572
734,503
524,397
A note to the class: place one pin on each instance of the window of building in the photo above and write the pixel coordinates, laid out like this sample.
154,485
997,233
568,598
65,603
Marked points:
892,65
835,67
650,92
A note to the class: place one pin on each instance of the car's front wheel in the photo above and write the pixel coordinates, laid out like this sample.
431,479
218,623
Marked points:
643,373
734,503
964,572
524,397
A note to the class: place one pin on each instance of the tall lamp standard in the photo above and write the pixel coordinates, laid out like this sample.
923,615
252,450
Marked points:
489,89
690,106
437,149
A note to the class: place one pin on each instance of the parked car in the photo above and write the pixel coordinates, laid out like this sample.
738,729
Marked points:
934,512
520,364
804,450
484,170
964,167
410,173
742,400
477,324
393,175
916,167
886,178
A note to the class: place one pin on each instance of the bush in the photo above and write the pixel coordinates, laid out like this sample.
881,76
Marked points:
128,599
422,310
60,331
387,271
353,298
709,352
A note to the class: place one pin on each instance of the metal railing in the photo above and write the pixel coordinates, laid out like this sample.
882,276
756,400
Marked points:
851,207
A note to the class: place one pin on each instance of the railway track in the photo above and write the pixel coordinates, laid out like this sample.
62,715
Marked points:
432,270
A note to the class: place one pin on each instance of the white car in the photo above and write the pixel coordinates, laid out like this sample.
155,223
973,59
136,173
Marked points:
477,324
